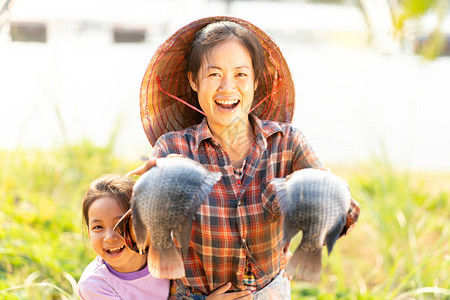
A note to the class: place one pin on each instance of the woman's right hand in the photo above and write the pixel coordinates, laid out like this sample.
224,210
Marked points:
149,163
221,294
144,168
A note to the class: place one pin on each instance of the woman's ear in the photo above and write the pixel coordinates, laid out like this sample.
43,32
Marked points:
192,81
255,85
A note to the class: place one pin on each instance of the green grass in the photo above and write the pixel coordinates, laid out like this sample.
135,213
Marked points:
399,249
42,252
400,246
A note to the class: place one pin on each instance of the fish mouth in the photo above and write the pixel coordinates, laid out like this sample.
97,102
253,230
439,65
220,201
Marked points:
115,251
227,104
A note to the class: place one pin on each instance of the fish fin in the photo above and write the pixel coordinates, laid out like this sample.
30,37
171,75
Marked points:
210,180
183,235
334,234
140,230
279,184
165,263
289,229
308,263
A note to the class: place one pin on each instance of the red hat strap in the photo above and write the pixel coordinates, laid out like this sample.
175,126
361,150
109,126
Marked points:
158,82
264,99
274,91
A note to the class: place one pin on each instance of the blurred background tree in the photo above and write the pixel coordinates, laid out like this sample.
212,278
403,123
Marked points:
434,43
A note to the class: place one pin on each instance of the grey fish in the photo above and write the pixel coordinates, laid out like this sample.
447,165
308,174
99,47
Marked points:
315,202
164,202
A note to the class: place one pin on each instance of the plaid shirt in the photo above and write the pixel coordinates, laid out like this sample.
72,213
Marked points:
238,223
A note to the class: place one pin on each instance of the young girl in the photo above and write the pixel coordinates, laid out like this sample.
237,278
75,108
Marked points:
119,271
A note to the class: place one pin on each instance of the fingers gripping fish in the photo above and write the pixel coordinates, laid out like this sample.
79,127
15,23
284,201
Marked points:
315,202
164,202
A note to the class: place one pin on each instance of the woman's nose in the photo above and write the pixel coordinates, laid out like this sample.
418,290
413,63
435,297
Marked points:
226,84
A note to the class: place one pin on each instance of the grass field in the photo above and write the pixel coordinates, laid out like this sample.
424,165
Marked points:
399,249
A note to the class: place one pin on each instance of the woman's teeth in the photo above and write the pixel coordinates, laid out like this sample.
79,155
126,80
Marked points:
228,104
227,101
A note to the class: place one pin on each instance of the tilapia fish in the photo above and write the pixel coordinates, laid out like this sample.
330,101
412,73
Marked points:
164,202
315,202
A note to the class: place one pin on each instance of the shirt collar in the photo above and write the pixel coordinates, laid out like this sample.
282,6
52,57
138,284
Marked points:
263,130
264,127
202,133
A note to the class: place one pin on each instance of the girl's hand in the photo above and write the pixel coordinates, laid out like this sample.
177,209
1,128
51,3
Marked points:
220,294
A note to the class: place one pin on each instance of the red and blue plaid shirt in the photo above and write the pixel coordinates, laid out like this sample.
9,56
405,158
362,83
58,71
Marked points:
238,224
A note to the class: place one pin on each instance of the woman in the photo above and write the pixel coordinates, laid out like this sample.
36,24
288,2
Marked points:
232,73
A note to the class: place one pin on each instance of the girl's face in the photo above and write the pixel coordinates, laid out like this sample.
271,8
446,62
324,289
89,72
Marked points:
103,214
225,84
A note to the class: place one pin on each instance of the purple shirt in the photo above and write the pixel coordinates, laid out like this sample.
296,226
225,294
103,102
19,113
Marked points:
99,281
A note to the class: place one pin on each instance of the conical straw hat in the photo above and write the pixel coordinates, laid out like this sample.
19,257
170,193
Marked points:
169,104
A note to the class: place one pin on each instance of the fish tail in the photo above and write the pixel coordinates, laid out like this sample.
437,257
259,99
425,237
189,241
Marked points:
165,263
308,263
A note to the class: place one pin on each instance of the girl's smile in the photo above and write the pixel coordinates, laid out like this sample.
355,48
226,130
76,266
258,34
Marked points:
103,215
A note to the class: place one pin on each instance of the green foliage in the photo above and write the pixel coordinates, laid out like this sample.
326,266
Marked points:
416,8
398,250
400,246
432,45
41,249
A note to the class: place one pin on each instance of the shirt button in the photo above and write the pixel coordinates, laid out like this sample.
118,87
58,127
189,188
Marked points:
243,241
239,203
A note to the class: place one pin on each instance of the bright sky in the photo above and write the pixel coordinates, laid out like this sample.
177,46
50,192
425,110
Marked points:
352,99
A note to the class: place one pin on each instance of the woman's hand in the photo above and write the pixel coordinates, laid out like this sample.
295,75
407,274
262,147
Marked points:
220,294
150,163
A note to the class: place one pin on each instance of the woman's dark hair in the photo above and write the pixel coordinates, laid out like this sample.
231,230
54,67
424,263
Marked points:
216,33
115,186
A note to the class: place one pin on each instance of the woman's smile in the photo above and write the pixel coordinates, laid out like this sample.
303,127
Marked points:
227,105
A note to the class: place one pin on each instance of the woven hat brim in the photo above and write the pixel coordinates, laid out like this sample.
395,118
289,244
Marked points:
161,113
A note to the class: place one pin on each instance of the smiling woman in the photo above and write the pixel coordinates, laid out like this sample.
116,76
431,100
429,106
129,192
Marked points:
233,74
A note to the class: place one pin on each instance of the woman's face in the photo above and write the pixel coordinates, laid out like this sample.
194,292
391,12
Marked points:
103,214
225,84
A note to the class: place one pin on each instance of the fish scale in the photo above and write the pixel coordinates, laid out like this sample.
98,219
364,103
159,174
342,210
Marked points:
165,200
315,202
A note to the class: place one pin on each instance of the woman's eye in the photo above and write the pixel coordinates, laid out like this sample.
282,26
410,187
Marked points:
241,74
96,227
213,75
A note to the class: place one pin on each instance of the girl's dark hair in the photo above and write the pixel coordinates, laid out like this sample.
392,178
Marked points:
216,33
118,187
